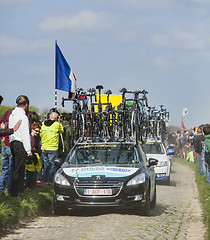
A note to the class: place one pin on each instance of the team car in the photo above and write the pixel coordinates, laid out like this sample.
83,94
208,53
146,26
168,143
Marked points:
157,150
106,174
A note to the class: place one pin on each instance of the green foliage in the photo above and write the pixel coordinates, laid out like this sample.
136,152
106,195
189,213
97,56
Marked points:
204,193
29,204
4,108
204,190
33,109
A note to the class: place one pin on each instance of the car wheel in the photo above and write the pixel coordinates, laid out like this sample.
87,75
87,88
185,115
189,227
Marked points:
146,209
153,202
59,210
168,181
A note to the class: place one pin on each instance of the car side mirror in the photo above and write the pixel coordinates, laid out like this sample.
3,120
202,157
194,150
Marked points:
57,162
152,162
170,152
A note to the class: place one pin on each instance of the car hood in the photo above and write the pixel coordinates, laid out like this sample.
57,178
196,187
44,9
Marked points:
107,171
159,157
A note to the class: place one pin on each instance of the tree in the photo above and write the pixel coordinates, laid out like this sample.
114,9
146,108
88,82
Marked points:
4,108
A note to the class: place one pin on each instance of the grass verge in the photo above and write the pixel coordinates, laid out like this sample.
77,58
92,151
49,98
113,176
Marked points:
28,204
204,193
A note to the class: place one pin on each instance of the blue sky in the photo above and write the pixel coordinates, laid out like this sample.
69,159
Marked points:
162,46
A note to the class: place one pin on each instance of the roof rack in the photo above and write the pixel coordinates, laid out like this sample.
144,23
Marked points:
89,140
94,120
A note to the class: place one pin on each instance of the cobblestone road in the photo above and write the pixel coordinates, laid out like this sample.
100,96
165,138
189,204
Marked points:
177,215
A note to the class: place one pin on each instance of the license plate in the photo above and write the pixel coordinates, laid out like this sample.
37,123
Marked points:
97,192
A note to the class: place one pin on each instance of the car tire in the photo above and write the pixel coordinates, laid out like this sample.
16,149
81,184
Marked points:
146,209
59,211
154,200
168,181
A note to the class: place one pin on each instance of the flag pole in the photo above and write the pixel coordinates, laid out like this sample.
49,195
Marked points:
56,100
55,80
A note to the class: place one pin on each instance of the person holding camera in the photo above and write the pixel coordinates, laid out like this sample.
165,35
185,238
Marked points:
49,134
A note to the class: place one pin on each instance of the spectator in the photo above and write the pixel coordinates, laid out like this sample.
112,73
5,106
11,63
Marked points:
34,117
184,143
190,155
179,143
203,156
6,173
52,110
20,144
33,163
49,134
4,131
65,141
1,99
191,138
37,146
171,138
198,149
206,130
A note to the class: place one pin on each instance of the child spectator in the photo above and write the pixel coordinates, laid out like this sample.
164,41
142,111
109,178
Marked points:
190,155
33,163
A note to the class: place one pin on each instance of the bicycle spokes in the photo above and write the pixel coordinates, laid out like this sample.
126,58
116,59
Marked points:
95,118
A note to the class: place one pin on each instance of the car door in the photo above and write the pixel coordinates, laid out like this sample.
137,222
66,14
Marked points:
151,172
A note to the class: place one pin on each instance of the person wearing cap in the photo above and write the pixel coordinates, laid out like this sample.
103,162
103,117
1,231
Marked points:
19,144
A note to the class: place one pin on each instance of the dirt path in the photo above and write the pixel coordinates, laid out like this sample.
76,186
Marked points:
178,215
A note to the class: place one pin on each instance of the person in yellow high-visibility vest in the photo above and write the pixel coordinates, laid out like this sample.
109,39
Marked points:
49,134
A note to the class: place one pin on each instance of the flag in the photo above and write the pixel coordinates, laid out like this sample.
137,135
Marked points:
64,77
182,127
185,112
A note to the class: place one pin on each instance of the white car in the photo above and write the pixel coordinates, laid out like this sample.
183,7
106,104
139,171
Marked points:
157,150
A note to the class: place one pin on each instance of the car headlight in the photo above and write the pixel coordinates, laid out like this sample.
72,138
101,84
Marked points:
61,180
162,164
137,180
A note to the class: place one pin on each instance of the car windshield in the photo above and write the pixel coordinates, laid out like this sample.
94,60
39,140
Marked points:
105,154
153,148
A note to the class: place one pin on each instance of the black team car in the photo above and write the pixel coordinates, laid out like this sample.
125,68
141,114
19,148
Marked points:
106,174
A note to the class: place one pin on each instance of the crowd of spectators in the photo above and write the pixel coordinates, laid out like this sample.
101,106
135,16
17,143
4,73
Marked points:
30,146
194,146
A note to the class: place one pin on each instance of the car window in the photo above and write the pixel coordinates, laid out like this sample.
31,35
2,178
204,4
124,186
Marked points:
145,160
153,148
102,154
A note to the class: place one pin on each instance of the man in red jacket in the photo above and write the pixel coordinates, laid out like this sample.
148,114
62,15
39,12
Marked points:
4,131
8,131
6,173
